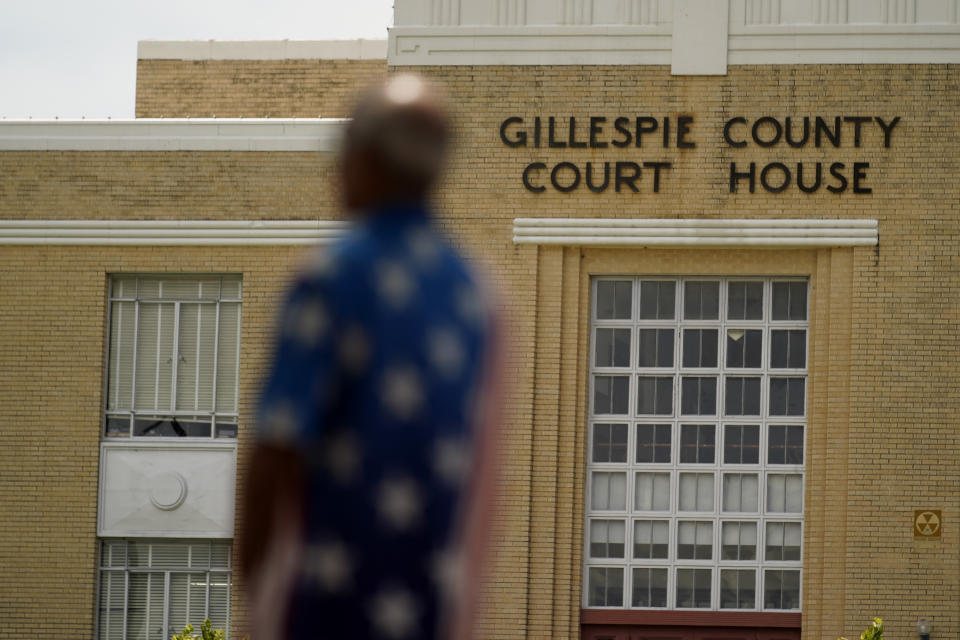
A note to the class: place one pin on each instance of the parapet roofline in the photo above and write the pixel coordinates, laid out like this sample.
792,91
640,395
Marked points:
359,49
173,134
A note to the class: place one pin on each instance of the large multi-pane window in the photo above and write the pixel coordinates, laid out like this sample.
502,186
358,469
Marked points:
173,356
151,589
696,443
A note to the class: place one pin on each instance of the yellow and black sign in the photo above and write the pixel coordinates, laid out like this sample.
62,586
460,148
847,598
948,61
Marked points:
926,523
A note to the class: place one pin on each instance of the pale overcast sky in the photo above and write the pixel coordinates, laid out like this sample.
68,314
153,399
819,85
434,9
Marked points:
73,58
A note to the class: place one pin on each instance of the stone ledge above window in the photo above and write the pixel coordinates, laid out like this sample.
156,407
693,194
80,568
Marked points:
697,233
157,233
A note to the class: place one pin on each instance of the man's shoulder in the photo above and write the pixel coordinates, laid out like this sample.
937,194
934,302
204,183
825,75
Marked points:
369,261
345,258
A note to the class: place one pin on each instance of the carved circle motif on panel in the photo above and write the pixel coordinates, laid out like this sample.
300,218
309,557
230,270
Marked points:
168,490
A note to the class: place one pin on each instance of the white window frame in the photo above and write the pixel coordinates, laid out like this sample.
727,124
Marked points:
126,570
213,415
759,565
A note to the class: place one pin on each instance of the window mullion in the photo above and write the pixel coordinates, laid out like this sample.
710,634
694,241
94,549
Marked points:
196,357
113,319
216,364
206,606
166,604
156,379
236,360
126,590
136,346
176,356
147,609
229,594
715,550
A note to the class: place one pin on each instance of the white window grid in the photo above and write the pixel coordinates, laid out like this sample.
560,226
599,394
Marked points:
630,515
113,619
228,413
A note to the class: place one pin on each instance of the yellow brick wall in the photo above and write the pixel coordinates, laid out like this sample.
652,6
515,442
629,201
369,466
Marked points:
147,185
883,432
883,404
252,88
51,409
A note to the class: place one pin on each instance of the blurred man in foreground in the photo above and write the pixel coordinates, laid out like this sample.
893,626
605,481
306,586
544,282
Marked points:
366,499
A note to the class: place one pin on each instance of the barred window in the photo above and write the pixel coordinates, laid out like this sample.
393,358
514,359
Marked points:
174,350
151,589
696,444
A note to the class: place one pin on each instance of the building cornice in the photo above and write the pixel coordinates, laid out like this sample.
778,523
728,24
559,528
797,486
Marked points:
678,233
171,232
523,45
693,37
173,134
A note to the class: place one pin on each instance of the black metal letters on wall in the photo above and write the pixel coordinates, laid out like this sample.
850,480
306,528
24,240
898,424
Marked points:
648,132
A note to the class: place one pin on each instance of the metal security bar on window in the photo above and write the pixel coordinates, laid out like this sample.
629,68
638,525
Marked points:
174,351
152,589
698,396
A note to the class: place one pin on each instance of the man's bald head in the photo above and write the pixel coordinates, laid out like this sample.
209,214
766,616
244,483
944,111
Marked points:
395,144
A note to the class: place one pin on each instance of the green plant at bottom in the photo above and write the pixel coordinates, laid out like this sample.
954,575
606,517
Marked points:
873,632
206,633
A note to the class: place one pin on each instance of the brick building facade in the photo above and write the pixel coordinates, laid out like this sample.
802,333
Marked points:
803,195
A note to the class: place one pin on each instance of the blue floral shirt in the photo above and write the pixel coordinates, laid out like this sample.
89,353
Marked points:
377,367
